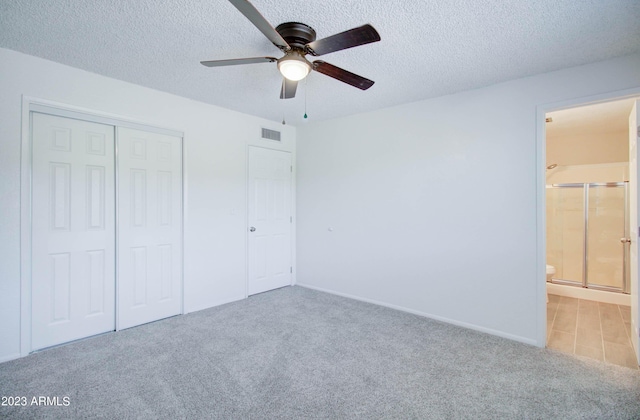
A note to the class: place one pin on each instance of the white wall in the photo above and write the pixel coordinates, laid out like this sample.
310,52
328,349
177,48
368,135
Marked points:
433,203
215,163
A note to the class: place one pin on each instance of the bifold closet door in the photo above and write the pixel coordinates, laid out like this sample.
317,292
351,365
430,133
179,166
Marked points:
73,231
149,226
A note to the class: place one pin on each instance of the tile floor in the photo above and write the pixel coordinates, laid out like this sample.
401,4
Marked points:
597,330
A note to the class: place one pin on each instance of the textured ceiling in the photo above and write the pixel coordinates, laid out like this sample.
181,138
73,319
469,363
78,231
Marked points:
428,48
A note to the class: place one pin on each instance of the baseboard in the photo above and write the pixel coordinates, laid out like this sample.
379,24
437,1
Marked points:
474,327
589,294
214,304
10,357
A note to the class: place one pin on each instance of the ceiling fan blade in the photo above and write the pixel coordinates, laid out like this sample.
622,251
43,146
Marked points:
342,75
251,13
236,61
288,89
352,38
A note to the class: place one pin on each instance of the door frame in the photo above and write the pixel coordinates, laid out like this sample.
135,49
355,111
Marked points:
292,186
32,104
541,202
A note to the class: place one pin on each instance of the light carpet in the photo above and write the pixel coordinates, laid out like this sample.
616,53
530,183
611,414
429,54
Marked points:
298,353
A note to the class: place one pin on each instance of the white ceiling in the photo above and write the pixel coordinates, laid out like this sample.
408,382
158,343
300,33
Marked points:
428,48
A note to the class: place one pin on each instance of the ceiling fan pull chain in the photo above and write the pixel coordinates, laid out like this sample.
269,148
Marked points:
306,84
282,96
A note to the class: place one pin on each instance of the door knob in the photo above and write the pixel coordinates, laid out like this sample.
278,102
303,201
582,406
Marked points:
252,229
625,240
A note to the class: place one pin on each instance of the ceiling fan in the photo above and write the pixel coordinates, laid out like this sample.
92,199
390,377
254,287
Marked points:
296,40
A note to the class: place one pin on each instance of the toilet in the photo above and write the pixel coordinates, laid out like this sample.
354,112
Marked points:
551,270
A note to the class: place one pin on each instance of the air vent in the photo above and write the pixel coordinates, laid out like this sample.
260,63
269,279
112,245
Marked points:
270,134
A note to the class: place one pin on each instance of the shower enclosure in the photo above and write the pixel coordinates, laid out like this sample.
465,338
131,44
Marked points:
587,242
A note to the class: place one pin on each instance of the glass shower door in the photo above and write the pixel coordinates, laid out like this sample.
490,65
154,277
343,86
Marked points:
566,232
606,225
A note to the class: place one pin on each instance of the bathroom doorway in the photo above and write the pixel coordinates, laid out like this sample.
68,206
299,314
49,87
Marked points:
587,231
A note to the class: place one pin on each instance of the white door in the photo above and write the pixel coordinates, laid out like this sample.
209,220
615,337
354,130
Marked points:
269,213
73,268
149,227
634,234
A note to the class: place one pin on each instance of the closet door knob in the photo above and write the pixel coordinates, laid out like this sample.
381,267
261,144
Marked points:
252,229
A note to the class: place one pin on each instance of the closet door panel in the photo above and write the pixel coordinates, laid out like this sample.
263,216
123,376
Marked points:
73,230
149,227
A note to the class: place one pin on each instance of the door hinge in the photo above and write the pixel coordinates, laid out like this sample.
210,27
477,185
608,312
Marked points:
639,131
290,219
291,270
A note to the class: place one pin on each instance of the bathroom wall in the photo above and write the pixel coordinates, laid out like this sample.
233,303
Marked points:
600,172
607,144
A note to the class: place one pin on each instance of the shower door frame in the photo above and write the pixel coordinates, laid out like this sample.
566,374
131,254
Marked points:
585,260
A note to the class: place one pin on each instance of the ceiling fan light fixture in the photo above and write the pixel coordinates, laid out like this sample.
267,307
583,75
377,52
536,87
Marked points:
294,67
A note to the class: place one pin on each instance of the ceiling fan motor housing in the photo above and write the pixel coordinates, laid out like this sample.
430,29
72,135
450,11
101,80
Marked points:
296,34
